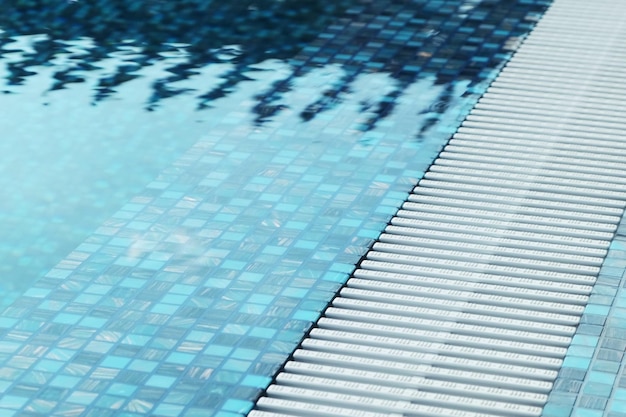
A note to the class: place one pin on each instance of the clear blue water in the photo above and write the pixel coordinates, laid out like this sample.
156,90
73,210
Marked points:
100,97
68,164
78,81
185,185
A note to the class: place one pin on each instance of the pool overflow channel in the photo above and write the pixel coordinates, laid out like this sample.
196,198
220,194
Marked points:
468,301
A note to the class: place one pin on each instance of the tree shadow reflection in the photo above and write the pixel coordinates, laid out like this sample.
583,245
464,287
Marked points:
451,40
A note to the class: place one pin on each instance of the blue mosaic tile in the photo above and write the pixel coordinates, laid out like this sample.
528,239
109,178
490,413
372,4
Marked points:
583,412
195,290
602,374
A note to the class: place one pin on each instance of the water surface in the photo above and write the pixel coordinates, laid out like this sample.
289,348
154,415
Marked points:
185,185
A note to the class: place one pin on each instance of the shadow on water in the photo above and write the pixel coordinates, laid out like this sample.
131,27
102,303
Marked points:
100,96
243,32
234,147
452,39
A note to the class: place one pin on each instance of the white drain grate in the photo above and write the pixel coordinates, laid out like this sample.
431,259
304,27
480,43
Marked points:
467,303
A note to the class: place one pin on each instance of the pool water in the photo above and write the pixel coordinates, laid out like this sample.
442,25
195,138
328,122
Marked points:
78,80
185,185
83,82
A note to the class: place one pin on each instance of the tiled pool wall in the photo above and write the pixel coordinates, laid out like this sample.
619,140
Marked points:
592,381
192,295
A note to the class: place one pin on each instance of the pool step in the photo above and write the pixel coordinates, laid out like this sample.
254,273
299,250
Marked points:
468,301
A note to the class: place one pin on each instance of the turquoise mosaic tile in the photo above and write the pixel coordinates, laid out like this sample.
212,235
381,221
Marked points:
596,353
193,293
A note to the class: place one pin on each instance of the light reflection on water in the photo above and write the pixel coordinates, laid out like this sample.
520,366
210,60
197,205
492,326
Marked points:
68,164
87,124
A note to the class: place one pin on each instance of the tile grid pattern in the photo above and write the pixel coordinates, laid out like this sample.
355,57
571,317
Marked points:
532,146
185,305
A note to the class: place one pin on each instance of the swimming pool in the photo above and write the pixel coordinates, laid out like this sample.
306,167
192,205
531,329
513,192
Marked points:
184,189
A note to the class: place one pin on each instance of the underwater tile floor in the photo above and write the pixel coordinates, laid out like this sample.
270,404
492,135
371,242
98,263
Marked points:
190,297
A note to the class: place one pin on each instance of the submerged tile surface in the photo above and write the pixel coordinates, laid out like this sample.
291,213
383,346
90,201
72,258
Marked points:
191,296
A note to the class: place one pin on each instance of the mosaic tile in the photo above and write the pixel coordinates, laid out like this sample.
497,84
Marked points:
603,374
191,295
